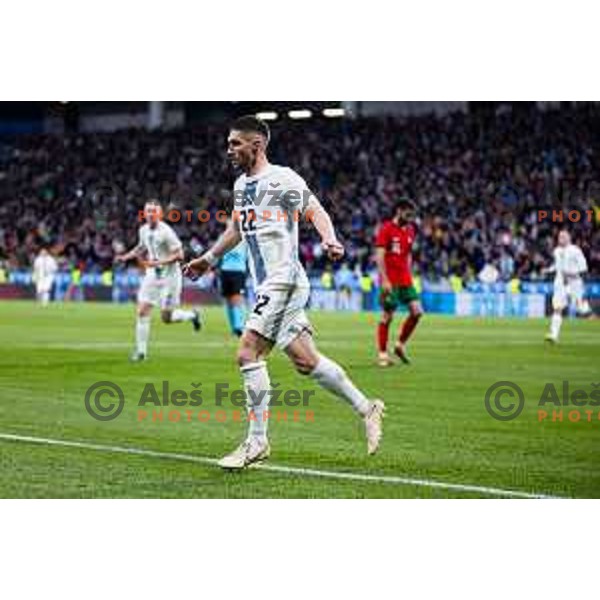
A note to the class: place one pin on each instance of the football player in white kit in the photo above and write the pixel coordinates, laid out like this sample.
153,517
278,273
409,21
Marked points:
162,282
268,201
44,269
569,265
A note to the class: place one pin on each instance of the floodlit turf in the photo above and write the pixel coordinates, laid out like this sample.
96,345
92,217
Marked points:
437,428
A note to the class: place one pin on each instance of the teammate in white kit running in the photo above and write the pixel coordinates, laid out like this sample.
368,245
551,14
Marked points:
569,265
269,200
162,282
44,269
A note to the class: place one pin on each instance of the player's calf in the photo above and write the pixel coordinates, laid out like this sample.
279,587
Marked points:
332,377
142,332
383,333
415,313
253,347
179,315
555,325
257,386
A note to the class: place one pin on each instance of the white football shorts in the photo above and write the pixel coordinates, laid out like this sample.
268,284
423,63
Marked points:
44,284
572,291
278,313
161,291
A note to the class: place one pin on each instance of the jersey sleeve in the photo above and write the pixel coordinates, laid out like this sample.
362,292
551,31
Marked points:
581,262
555,260
142,240
173,242
381,238
295,193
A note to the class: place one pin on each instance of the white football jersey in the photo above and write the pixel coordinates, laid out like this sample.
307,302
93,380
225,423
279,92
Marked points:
44,266
267,210
569,263
160,243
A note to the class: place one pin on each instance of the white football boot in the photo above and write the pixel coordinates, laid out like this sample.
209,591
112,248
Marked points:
374,425
251,451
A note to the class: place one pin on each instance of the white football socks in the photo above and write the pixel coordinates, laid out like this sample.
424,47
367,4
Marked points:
258,386
142,333
555,324
182,315
333,378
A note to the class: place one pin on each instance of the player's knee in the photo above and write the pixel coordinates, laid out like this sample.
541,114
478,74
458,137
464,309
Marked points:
417,312
386,318
305,364
246,355
305,367
143,311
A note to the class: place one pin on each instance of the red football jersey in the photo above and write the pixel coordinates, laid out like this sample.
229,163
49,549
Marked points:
397,242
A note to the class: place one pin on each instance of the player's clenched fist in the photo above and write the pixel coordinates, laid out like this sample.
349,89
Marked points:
334,250
197,267
386,286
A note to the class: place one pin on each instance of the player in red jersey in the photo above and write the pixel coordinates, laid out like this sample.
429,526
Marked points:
394,243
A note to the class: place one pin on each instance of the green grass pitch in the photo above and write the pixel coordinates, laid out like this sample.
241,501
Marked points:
436,428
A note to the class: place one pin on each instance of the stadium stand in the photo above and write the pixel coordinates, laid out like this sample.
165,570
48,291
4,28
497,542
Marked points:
479,181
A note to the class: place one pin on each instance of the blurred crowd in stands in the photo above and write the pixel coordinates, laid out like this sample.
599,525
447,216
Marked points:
479,181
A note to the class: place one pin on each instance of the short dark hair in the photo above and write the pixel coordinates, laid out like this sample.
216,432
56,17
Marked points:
250,123
154,202
405,202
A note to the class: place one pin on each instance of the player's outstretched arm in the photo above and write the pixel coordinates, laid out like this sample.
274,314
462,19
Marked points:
133,253
581,265
553,268
549,270
323,224
175,256
229,240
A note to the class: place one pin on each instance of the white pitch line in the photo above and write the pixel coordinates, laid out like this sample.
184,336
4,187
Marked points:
389,479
